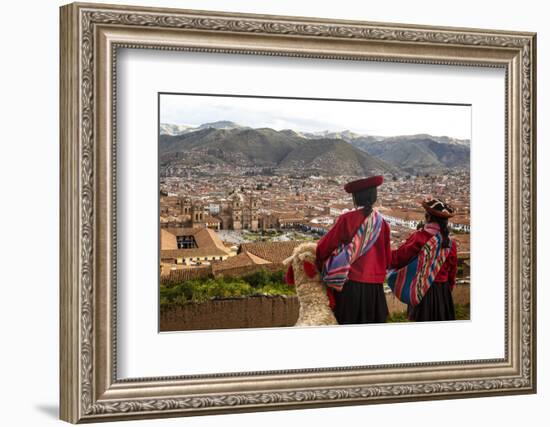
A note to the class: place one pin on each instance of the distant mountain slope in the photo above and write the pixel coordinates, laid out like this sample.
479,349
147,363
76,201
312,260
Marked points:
264,147
418,153
226,142
443,139
245,147
334,155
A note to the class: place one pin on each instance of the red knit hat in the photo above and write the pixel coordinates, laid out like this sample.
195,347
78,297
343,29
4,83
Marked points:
364,183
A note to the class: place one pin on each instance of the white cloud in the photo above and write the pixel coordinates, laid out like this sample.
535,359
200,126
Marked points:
373,118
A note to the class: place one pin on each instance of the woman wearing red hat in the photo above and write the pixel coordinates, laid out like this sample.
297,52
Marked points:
361,299
437,303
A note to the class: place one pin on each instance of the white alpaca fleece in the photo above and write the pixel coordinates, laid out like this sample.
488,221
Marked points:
312,292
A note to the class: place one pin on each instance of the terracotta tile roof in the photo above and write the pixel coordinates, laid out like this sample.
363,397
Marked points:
209,236
192,253
208,242
180,231
184,274
167,240
243,259
275,252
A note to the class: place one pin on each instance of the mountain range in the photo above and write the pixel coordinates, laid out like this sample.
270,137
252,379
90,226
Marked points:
418,153
227,143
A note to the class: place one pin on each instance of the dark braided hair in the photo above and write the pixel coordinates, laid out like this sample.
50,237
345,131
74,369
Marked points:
366,198
443,227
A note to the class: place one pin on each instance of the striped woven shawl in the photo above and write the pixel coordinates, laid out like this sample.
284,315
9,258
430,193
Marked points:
411,282
336,267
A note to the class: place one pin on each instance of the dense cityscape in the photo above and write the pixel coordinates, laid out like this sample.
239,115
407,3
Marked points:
244,213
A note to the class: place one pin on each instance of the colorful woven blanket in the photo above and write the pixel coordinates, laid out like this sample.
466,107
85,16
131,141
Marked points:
411,282
336,267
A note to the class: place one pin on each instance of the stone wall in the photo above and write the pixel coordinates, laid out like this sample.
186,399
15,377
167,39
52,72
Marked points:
256,312
461,294
207,272
185,274
231,313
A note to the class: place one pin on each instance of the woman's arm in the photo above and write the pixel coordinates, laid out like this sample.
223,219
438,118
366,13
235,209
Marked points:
407,251
330,241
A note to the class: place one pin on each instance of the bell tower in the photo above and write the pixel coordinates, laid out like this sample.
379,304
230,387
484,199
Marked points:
197,215
253,206
237,203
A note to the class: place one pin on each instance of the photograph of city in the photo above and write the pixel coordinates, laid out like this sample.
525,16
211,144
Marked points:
248,183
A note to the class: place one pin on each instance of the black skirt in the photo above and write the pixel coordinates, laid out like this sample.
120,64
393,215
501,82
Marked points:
436,305
359,302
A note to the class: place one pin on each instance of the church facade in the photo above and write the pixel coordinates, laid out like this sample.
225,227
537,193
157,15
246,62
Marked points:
238,212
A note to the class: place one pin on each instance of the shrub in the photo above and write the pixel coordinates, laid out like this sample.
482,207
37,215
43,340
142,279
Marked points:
200,290
462,312
258,278
264,277
398,317
276,289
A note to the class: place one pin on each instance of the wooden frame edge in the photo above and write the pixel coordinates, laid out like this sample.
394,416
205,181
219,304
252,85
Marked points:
71,405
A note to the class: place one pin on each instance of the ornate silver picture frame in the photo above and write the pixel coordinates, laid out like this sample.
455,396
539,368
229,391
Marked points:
91,390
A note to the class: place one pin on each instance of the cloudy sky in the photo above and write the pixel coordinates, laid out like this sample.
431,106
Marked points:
372,118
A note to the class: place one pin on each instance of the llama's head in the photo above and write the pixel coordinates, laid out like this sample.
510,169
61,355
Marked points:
301,264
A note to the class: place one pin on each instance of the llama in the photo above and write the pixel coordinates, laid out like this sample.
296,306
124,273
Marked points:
311,291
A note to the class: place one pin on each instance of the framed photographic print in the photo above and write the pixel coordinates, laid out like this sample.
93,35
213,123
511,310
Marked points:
268,212
247,182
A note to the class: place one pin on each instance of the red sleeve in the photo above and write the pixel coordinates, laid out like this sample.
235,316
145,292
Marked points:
452,259
407,251
330,241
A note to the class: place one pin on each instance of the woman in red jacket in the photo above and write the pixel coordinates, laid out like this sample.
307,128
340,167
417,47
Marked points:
437,304
362,298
